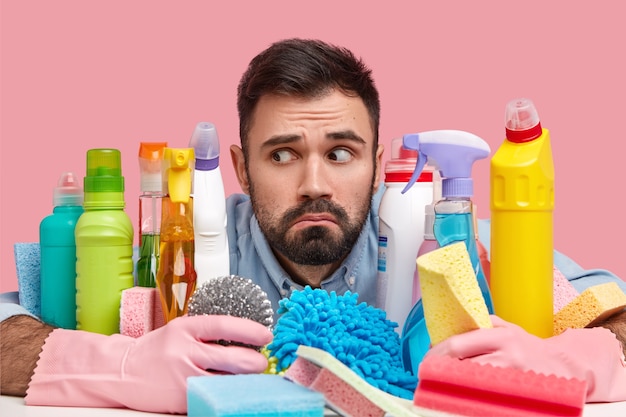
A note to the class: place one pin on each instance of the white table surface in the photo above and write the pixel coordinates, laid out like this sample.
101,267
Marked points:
14,407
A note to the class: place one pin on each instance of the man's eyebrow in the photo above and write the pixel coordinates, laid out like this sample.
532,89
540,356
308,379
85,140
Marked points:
346,134
280,140
289,138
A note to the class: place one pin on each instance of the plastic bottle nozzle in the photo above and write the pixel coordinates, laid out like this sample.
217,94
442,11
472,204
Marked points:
68,191
103,182
412,141
150,159
206,145
454,152
521,121
177,168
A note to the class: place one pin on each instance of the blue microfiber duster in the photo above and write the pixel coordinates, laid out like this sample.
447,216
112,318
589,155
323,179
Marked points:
358,335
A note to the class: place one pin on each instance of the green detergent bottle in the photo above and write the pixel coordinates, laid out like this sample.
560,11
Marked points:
104,245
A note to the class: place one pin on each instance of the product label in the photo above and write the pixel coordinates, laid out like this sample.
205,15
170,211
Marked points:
382,253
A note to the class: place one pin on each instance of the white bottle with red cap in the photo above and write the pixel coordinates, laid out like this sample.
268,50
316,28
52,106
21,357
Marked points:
401,232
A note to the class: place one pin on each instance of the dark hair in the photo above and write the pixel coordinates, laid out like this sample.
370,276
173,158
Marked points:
305,68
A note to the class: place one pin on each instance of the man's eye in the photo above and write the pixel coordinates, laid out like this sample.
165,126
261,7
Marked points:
282,156
340,155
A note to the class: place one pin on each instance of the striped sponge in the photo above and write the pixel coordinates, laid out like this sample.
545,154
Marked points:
260,395
27,257
466,388
345,392
595,303
357,334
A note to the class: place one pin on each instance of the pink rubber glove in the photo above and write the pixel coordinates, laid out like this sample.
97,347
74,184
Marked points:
593,355
149,373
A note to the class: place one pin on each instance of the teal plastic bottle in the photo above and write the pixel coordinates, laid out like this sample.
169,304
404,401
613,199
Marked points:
58,254
104,245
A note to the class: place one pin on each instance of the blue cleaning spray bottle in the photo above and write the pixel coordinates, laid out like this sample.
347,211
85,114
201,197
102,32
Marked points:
454,153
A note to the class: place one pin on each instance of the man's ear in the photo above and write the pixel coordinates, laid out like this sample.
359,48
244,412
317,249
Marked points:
239,163
378,167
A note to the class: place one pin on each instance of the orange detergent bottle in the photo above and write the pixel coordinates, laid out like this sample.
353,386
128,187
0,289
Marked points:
176,276
522,203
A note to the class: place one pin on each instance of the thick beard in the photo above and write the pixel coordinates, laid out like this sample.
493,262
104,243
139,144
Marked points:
315,245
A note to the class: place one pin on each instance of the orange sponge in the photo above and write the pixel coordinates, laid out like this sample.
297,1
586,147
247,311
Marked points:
594,303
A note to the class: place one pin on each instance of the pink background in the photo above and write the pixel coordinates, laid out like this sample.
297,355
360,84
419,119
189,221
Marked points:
84,74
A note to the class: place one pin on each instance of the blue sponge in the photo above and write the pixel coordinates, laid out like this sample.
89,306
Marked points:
27,257
260,395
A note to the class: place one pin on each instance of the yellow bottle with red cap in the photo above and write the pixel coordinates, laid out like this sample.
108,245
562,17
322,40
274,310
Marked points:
522,204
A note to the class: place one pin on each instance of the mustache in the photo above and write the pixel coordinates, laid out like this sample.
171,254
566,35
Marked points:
315,206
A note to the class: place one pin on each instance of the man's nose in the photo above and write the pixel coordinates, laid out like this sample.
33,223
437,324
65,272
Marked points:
315,183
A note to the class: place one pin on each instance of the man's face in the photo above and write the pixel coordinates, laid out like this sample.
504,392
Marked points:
311,174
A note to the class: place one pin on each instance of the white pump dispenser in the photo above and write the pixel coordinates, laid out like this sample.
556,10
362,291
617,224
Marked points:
212,258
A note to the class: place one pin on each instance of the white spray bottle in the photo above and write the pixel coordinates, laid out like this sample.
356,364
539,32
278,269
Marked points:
212,257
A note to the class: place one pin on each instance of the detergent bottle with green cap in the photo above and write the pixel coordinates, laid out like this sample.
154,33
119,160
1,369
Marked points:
176,275
57,243
522,203
104,245
454,153
212,257
150,201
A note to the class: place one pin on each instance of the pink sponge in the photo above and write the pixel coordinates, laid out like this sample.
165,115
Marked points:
564,291
338,394
344,391
140,311
467,388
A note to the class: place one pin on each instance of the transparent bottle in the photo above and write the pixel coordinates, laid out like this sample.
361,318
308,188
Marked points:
150,201
454,222
176,275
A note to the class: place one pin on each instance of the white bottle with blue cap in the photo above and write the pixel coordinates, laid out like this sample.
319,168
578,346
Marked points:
211,258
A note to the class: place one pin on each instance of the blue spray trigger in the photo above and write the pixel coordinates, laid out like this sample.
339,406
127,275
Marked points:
411,141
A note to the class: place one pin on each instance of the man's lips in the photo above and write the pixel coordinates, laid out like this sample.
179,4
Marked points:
315,219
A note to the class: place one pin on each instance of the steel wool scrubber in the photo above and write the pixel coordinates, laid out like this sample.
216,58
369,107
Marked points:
232,295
